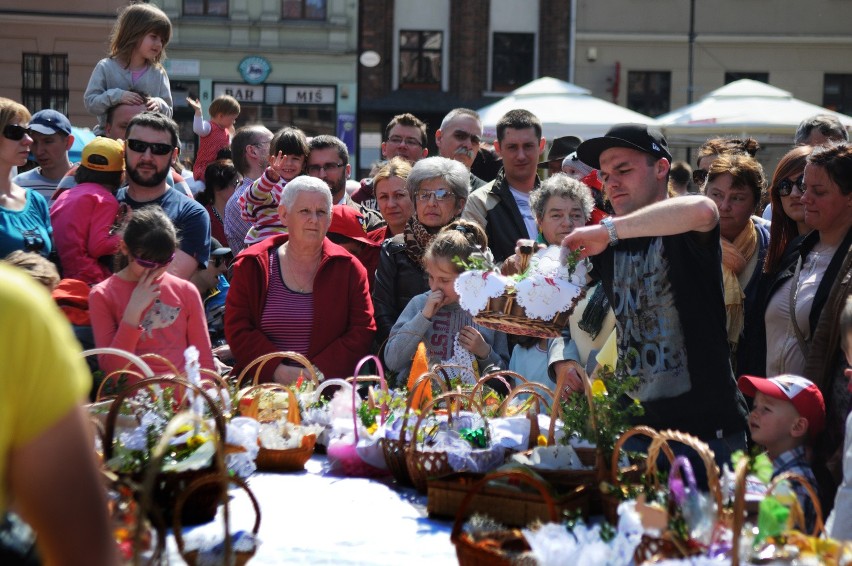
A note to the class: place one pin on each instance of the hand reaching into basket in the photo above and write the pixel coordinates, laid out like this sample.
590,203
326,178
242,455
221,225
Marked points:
590,240
570,370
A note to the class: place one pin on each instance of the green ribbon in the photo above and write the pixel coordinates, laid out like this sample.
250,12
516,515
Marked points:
476,436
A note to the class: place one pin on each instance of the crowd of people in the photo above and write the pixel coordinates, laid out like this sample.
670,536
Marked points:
261,248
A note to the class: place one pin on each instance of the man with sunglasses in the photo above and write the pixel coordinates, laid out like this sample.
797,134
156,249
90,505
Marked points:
459,138
52,138
151,144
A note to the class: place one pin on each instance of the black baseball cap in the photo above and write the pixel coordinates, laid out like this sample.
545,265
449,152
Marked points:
640,137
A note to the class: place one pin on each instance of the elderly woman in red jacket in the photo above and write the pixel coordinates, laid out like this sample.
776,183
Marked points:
300,292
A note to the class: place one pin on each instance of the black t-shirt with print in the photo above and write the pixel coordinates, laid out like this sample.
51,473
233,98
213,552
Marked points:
666,293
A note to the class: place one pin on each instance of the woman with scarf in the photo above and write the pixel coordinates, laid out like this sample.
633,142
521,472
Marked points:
735,183
438,187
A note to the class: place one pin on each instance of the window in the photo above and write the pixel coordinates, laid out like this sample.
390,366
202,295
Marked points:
205,7
512,60
420,59
837,93
45,82
649,92
732,76
303,9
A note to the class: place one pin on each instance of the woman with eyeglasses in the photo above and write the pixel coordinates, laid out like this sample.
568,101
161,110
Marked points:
300,292
788,216
438,188
24,218
220,181
735,182
143,309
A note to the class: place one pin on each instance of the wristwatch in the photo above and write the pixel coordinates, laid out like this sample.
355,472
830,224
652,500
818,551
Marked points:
610,229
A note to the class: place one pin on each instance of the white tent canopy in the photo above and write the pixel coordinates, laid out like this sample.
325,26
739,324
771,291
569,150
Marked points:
741,108
564,109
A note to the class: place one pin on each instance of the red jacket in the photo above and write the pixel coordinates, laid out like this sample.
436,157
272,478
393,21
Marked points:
343,325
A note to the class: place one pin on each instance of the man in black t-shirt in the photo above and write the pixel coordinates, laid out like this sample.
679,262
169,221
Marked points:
660,263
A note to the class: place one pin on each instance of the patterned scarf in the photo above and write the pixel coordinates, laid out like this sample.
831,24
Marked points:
417,239
735,257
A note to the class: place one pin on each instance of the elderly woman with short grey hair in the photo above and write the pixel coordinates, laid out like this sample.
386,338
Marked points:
300,292
438,187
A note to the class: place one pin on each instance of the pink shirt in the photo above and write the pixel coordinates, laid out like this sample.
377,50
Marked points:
173,322
81,218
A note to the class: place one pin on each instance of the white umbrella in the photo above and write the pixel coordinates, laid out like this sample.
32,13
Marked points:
564,109
743,107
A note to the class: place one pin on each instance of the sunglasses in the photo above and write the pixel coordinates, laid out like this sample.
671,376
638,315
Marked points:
440,195
785,186
15,132
461,136
140,146
150,264
699,176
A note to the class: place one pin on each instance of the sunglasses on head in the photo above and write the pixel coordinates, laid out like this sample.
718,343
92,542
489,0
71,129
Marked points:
699,176
461,136
785,186
150,264
15,132
140,146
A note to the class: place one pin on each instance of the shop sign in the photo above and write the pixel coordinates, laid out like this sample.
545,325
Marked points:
243,93
304,94
254,69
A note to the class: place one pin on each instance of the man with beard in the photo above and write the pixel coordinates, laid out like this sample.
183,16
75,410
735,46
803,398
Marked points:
459,138
329,160
502,206
151,144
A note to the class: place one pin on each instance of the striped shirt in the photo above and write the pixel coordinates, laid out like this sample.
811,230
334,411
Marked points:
259,205
287,315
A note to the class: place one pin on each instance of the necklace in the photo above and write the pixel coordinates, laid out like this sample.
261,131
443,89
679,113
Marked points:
216,214
290,270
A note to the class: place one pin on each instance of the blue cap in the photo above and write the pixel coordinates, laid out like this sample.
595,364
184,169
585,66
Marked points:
49,122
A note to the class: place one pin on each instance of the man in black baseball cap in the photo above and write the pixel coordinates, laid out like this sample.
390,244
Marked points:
659,261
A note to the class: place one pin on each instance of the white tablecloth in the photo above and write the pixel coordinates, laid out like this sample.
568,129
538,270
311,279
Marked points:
311,518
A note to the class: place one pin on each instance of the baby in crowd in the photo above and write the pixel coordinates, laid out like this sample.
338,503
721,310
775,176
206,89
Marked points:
213,136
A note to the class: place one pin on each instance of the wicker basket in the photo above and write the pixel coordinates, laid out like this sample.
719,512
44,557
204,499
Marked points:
488,552
272,459
395,449
260,362
503,313
239,558
423,465
166,486
668,545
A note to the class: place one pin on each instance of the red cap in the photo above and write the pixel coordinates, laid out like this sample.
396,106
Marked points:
802,393
348,222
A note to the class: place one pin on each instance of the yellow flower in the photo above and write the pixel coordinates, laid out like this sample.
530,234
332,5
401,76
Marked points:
541,440
195,441
598,387
372,428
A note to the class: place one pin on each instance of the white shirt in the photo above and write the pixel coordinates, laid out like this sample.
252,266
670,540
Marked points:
522,199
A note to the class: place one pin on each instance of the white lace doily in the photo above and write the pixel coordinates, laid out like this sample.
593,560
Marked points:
475,288
545,297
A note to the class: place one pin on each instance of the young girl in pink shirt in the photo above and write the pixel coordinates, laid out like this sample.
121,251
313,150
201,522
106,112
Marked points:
142,309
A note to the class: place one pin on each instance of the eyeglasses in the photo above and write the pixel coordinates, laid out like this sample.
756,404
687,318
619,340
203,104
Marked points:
328,167
440,195
785,186
399,140
140,146
150,264
699,176
15,132
461,136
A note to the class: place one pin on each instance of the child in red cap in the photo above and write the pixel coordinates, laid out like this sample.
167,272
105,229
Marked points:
788,413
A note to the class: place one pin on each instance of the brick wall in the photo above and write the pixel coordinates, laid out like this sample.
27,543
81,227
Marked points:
376,23
553,44
468,47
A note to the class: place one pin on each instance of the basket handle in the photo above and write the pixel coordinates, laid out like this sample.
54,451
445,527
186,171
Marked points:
445,397
165,361
480,384
636,430
704,452
423,378
133,358
363,379
512,475
537,390
201,482
258,364
114,376
739,511
109,429
526,248
803,481
293,416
